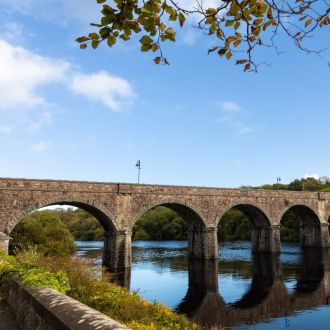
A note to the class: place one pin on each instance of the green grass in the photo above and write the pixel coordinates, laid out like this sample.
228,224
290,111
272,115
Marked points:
86,283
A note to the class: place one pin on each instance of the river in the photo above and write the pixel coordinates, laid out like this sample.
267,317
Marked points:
240,291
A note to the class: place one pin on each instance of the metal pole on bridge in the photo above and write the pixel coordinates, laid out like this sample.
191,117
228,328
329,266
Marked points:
278,180
138,165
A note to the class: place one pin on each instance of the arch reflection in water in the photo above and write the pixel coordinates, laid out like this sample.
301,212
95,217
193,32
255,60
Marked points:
267,296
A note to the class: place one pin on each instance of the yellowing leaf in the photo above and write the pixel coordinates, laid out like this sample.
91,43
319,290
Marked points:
308,22
222,51
154,47
236,43
212,49
247,67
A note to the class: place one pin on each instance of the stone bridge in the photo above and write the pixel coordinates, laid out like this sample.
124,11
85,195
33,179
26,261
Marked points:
117,206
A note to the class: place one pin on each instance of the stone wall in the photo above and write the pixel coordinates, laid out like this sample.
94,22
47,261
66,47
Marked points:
48,309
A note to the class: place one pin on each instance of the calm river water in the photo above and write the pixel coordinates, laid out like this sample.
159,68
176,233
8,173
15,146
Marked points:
240,291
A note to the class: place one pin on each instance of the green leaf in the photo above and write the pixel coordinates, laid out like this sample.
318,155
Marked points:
145,40
182,18
229,55
82,39
111,40
94,36
104,32
145,47
95,43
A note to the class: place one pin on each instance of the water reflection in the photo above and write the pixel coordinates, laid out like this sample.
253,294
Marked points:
267,296
241,289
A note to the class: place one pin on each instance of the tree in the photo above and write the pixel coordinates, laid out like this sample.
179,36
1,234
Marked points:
238,27
45,231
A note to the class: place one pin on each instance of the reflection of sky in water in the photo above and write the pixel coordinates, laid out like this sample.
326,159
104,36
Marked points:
317,318
160,244
232,288
171,286
160,272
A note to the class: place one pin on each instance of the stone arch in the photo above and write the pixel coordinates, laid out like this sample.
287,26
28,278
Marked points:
310,224
257,214
263,235
184,209
202,240
104,216
302,207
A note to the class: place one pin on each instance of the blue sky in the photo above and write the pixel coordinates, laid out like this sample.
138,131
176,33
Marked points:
90,114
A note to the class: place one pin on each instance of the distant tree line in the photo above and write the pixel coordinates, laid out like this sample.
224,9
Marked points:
304,184
54,231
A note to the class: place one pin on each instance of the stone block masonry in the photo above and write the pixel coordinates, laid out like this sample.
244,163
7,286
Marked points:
48,309
117,206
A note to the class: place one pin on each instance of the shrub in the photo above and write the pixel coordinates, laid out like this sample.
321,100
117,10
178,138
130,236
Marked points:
88,284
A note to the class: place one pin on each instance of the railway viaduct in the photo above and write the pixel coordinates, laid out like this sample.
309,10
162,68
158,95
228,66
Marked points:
117,206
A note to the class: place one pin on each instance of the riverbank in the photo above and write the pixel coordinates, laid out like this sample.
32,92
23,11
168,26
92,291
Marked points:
85,283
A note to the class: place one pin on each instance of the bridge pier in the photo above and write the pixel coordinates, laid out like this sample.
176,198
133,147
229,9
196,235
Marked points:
117,250
203,243
266,239
325,237
310,235
4,241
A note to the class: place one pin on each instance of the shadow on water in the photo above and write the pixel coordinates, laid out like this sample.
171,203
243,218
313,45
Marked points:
265,295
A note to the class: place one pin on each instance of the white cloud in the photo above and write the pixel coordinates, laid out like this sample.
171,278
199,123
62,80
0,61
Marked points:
111,91
60,12
230,112
11,31
5,129
315,176
244,129
238,126
39,147
22,73
189,36
229,106
45,118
